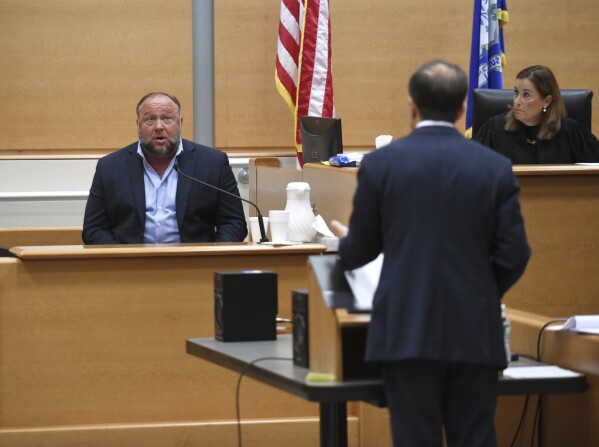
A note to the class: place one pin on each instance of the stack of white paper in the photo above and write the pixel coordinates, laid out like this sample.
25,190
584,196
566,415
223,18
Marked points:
538,372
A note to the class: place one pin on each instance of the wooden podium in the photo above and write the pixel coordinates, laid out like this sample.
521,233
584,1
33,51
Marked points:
337,335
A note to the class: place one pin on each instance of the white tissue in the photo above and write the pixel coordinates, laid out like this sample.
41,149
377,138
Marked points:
382,140
321,227
328,239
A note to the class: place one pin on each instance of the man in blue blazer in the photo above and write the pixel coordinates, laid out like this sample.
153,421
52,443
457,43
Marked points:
445,212
138,197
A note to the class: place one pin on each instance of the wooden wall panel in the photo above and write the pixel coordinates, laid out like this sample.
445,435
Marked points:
376,47
71,71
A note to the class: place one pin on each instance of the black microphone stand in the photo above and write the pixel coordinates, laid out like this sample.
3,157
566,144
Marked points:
263,237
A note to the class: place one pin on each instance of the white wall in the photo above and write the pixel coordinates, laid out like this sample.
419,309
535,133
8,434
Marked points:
48,181
38,177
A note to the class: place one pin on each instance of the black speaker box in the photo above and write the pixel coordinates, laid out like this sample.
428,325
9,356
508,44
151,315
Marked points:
245,305
299,312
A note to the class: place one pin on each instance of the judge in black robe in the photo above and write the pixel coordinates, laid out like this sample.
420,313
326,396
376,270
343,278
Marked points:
574,143
535,130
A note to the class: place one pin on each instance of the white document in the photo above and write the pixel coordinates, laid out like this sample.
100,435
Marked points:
363,282
538,372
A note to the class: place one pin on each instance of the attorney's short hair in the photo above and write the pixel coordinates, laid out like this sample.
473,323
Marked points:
439,88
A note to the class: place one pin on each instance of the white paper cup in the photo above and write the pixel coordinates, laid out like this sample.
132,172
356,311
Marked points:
279,221
255,228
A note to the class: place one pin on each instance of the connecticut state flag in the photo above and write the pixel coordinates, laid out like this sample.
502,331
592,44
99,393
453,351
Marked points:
487,55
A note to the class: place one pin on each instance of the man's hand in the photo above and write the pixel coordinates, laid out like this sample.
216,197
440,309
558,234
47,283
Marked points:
338,228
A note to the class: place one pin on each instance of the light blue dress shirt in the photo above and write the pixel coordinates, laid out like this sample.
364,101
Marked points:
161,195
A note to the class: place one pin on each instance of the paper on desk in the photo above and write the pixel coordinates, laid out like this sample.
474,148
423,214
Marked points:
538,372
363,282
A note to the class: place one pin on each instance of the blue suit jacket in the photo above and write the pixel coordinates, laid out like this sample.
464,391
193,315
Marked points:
116,208
446,214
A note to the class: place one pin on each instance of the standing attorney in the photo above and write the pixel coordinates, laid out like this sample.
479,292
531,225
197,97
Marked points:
137,197
445,213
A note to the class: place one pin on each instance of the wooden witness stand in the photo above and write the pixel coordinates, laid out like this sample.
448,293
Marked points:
93,346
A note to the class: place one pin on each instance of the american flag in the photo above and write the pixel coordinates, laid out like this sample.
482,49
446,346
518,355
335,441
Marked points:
303,73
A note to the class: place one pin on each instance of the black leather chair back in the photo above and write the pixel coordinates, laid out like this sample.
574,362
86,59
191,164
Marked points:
486,103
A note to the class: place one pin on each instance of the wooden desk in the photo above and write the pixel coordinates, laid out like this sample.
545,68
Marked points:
569,420
92,346
333,396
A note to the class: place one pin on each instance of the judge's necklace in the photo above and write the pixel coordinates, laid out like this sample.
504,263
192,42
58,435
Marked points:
533,142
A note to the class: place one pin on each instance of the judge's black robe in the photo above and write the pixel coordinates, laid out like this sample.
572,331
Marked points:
573,144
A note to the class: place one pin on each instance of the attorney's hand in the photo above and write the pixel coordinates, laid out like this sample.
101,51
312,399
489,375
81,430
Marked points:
338,228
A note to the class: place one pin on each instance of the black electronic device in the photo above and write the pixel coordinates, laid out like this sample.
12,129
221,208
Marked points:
299,318
245,305
322,138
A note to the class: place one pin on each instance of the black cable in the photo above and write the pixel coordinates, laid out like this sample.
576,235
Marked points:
521,420
549,323
541,399
241,374
539,417
527,399
537,424
534,423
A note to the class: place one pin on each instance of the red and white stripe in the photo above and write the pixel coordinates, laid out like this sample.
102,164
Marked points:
304,71
288,50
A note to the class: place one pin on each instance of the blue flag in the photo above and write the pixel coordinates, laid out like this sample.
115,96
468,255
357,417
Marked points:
487,55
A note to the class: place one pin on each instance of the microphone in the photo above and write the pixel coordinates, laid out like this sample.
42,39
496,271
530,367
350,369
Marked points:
263,237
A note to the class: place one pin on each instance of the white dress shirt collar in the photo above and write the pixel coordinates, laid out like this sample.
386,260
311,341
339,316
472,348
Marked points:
426,123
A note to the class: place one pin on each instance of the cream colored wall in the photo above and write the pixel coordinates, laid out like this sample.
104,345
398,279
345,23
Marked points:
72,71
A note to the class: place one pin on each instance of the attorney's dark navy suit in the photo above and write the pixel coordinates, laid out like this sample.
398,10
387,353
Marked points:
445,212
116,208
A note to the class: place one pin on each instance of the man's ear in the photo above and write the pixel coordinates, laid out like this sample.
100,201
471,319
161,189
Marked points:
413,111
411,104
